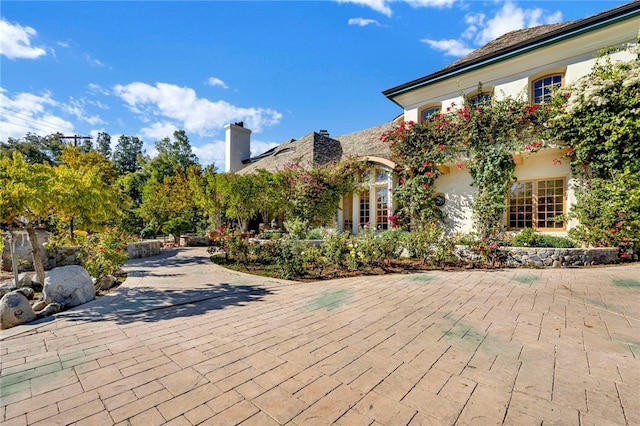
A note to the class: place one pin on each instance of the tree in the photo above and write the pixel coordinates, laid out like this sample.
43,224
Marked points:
83,193
172,155
34,148
128,154
103,144
26,197
169,199
207,194
239,197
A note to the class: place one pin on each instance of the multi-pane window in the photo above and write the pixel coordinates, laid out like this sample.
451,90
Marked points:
382,206
365,215
543,88
481,99
369,205
536,204
347,211
428,113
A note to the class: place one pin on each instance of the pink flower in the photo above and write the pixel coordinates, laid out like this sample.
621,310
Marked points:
623,255
425,186
459,166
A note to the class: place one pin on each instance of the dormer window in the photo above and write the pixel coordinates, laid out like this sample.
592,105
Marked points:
481,99
542,88
429,112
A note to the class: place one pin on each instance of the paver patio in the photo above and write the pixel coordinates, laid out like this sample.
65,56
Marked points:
185,342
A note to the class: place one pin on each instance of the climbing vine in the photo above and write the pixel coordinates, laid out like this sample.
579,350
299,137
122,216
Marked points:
482,137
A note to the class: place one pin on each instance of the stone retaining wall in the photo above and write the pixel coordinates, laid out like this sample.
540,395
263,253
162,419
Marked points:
560,257
143,249
68,255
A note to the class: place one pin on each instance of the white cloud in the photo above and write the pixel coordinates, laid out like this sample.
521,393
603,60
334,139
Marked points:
211,153
481,30
510,18
383,6
430,3
98,89
181,106
362,22
214,81
377,5
450,47
63,44
27,112
214,152
77,107
16,41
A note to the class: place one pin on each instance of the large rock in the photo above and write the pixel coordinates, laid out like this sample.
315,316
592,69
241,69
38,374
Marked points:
15,309
105,283
7,287
69,286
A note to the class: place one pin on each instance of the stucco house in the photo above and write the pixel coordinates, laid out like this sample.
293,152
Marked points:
527,64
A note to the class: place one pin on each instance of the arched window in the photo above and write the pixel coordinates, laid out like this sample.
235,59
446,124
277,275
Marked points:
370,204
480,99
428,112
542,88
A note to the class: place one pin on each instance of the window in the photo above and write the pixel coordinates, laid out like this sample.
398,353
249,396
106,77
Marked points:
428,112
370,204
535,204
364,208
481,99
382,206
542,88
347,212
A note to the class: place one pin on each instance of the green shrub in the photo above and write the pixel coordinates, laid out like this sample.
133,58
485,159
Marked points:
315,234
335,248
529,238
148,233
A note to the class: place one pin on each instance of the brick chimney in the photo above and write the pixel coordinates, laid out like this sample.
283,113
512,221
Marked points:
238,146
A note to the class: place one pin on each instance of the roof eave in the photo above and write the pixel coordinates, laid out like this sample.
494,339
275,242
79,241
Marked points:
580,27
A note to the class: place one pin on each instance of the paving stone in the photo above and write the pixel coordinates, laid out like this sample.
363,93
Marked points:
464,348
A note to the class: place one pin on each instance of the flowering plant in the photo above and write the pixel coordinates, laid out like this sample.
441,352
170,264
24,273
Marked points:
103,253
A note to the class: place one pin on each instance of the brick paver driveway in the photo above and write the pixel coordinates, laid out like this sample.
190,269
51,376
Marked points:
186,342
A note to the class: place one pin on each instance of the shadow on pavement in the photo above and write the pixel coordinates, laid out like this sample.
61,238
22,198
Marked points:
151,305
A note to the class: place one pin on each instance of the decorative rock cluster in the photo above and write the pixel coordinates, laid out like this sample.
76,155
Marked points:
64,288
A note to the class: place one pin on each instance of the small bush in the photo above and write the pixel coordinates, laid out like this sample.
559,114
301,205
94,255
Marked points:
315,234
529,238
335,248
104,253
148,233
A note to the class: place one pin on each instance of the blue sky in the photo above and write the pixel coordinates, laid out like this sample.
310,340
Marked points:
147,68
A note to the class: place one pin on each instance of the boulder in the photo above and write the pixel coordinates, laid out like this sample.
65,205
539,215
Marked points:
39,305
24,280
15,310
105,283
26,292
69,286
50,309
7,287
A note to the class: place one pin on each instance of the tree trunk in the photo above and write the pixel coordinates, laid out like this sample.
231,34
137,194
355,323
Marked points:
35,251
14,258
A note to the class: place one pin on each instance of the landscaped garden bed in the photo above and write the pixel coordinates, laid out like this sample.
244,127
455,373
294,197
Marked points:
339,255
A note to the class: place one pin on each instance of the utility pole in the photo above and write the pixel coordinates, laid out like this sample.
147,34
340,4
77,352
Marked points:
75,138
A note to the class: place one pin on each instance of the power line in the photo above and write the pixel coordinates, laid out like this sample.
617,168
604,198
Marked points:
55,126
27,120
